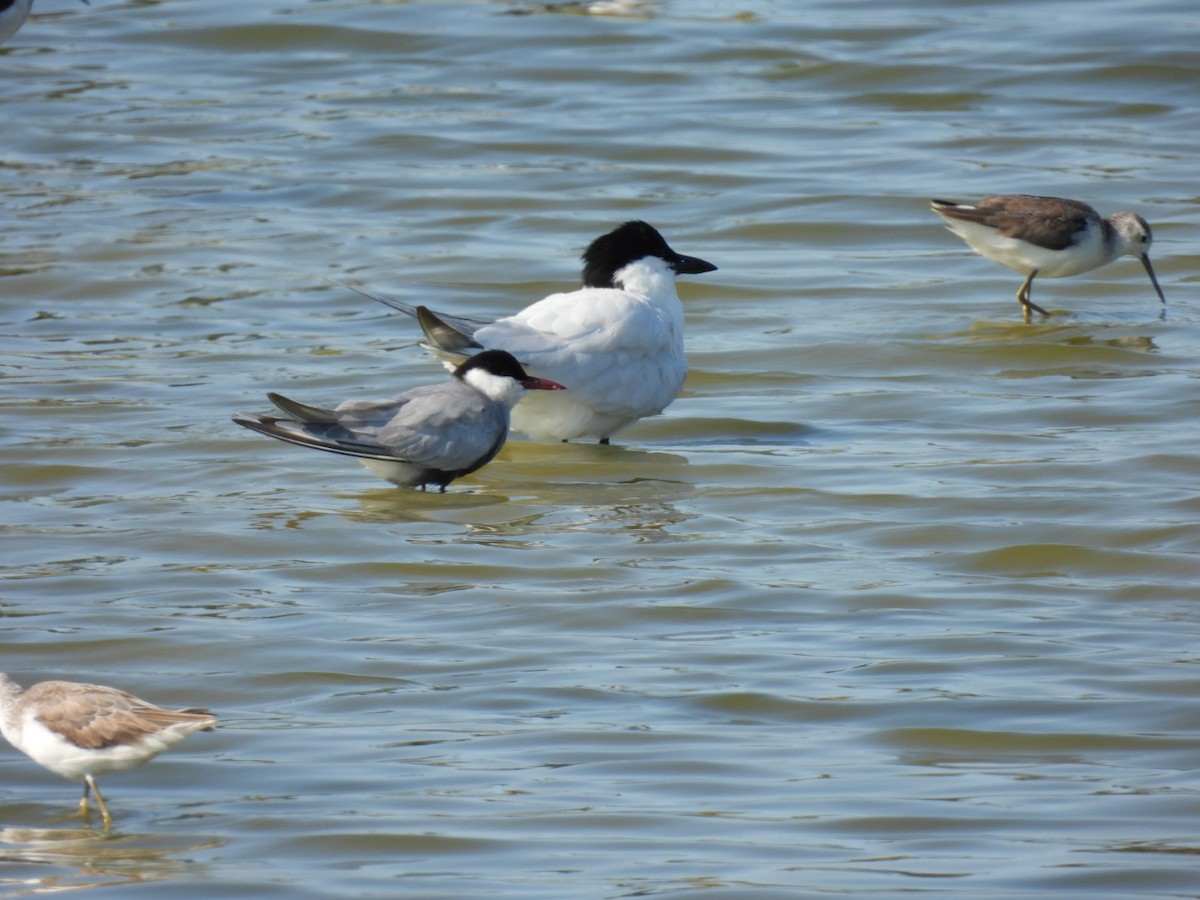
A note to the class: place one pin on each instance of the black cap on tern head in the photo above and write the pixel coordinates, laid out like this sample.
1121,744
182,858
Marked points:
628,243
495,362
504,365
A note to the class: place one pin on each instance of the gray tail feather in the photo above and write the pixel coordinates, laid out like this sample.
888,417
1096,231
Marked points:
314,415
309,434
444,338
464,325
379,298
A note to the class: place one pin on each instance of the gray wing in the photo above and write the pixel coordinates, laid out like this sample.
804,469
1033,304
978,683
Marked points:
321,428
448,426
302,411
331,438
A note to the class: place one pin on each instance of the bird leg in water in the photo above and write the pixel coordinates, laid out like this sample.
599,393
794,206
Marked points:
1023,297
89,784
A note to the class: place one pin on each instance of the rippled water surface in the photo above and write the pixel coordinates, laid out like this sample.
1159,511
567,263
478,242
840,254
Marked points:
899,597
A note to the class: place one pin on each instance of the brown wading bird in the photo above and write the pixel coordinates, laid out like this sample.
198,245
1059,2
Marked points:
80,731
1047,236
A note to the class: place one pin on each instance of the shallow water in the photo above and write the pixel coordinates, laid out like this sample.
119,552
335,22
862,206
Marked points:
898,597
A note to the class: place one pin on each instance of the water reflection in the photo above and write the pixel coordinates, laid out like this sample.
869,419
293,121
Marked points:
539,488
845,630
87,857
641,9
1073,334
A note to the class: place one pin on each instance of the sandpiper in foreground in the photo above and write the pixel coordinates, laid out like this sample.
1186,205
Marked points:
80,731
1048,236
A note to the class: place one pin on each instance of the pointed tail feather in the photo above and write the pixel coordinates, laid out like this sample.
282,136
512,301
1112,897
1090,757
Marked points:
200,711
445,341
465,325
444,337
332,439
314,415
379,298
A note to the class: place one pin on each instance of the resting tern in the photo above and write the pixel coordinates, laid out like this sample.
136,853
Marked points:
429,435
617,341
